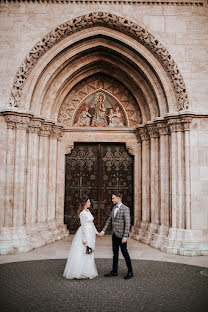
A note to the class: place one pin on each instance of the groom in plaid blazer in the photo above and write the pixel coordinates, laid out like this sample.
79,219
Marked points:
120,219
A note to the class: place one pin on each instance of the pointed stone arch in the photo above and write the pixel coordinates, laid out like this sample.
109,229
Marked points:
110,21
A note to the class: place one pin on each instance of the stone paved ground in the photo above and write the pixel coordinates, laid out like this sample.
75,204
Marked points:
156,287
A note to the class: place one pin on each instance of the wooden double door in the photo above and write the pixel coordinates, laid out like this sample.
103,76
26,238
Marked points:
97,170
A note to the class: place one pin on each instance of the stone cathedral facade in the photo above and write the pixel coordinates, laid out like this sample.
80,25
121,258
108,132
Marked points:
132,73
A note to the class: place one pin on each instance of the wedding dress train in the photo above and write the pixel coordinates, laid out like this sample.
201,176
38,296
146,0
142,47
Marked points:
79,264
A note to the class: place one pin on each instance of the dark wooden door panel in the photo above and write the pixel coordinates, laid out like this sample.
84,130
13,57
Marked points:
97,169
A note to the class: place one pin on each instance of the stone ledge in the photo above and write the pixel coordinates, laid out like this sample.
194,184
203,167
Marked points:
183,242
26,238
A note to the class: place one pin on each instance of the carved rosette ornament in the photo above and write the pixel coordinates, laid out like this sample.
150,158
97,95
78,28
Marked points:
106,20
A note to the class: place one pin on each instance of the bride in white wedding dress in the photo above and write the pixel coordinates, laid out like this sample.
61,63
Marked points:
79,264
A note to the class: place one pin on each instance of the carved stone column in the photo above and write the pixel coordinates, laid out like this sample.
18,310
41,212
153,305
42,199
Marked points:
55,135
154,194
135,150
186,126
32,171
60,181
20,170
9,194
44,134
164,185
145,183
138,176
176,232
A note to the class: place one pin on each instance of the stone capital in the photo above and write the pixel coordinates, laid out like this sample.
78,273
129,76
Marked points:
186,121
17,120
162,128
57,132
143,133
46,129
152,131
175,125
34,125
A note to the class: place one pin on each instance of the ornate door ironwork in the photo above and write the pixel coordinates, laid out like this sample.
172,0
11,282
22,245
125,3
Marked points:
97,169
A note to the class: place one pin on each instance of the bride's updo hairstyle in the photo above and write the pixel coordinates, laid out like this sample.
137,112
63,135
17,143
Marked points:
83,201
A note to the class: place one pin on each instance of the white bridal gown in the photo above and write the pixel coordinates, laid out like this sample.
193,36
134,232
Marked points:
79,264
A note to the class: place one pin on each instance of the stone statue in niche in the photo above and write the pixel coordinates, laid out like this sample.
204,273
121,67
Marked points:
115,118
100,109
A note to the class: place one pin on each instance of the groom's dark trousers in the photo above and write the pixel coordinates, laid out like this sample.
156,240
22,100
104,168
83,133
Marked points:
116,243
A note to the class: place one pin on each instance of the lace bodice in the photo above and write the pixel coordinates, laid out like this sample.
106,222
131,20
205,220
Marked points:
86,220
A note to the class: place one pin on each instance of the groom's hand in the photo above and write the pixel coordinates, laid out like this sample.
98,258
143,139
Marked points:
123,240
101,234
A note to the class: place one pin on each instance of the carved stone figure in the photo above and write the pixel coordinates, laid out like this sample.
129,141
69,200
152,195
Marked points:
84,118
115,118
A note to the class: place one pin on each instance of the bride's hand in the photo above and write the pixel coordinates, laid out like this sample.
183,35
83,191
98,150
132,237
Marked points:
85,243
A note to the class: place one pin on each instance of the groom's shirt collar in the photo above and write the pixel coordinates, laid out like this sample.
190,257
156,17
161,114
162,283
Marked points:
119,205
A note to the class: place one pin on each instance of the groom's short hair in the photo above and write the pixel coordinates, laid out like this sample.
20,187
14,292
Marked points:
118,194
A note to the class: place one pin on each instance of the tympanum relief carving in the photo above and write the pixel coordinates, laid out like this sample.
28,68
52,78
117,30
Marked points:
100,101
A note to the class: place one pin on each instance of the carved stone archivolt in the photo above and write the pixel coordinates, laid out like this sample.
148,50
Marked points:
100,101
107,20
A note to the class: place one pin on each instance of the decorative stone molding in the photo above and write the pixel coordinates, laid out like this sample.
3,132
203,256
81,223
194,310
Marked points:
130,149
26,121
69,149
15,121
119,2
110,21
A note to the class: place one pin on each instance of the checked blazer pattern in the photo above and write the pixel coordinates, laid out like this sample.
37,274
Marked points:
121,223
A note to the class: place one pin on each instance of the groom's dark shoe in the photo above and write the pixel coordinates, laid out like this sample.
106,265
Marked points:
111,274
128,276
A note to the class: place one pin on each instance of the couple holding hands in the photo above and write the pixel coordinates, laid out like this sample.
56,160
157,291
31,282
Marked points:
80,262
